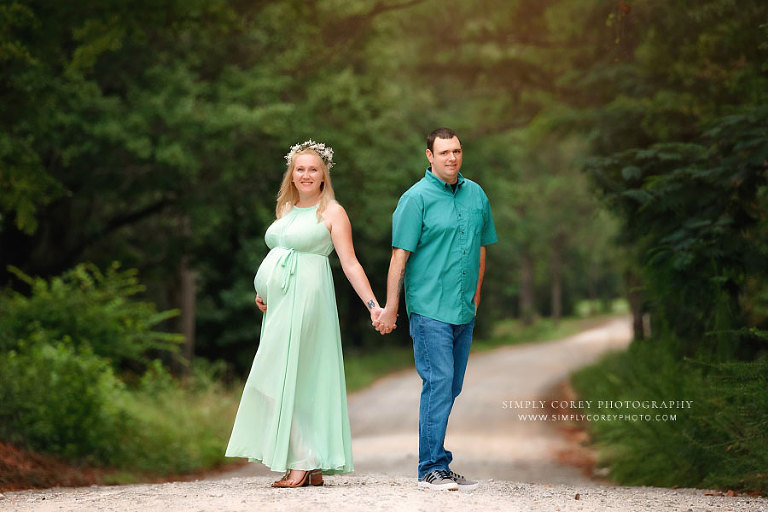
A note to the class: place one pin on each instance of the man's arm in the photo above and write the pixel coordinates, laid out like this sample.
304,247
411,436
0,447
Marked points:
480,274
395,277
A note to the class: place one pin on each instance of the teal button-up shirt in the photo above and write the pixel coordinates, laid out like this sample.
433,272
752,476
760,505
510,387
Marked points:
444,231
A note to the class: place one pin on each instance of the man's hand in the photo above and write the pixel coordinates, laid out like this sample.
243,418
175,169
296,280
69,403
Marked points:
386,322
261,304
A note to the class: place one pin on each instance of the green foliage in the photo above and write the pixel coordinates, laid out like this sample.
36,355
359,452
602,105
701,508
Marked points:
93,309
718,442
24,185
60,394
57,399
177,428
155,133
363,368
695,212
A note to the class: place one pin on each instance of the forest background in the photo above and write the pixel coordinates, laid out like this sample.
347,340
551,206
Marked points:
623,146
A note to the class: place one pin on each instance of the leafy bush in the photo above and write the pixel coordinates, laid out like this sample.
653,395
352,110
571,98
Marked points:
60,394
718,442
90,308
56,399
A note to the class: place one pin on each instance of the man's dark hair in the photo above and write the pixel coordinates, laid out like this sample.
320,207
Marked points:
440,133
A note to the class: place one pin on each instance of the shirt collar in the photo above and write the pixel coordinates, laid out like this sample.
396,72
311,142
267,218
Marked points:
442,184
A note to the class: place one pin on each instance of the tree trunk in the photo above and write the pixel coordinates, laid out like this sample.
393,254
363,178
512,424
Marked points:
556,274
635,299
187,317
527,289
186,301
592,290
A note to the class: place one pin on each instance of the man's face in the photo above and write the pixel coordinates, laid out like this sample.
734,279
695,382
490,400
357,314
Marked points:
445,158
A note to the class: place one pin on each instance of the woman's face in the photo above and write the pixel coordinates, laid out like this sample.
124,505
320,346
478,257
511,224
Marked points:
308,174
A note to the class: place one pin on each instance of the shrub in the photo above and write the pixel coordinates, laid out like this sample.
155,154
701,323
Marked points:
57,399
60,348
91,308
718,442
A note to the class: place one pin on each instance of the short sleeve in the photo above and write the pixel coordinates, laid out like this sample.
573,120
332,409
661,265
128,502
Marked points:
407,222
488,235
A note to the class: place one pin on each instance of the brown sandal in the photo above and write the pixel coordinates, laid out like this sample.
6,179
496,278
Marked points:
313,477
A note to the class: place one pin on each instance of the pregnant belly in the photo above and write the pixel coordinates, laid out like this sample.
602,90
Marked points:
266,271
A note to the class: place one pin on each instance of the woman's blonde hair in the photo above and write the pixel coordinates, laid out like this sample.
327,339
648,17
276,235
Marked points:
288,195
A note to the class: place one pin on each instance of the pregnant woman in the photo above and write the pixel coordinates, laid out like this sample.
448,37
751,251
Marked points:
293,412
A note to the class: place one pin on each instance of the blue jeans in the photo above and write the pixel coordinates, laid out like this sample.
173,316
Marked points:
441,351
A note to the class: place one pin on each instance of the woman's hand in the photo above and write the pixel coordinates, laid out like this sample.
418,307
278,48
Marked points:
375,314
386,322
261,304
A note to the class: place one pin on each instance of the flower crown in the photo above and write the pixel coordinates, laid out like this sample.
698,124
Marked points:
323,151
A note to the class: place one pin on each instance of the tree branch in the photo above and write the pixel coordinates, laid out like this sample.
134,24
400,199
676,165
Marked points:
118,222
381,7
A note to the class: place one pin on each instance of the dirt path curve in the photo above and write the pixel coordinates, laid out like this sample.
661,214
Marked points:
485,434
515,459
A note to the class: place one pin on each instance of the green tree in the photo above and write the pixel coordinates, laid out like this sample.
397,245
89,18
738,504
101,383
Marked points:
153,134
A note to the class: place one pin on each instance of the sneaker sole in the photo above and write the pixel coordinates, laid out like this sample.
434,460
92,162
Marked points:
468,487
441,487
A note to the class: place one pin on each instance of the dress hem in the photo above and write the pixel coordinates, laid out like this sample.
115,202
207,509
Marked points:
326,471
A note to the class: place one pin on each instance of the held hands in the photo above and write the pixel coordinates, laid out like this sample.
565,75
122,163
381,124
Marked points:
261,304
386,321
375,314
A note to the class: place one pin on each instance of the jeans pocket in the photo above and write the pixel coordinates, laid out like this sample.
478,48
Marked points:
414,321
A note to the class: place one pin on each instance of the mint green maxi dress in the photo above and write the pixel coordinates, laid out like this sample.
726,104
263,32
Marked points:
293,412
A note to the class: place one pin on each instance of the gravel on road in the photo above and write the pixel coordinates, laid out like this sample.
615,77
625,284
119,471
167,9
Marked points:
369,493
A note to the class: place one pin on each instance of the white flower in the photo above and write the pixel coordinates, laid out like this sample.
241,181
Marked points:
323,151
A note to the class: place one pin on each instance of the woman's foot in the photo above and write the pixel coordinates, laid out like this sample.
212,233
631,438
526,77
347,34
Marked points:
293,478
300,478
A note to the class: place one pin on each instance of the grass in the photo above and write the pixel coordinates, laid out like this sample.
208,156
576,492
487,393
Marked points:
513,332
181,429
719,441
363,369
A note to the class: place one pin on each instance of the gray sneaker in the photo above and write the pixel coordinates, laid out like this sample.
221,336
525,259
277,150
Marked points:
439,480
464,483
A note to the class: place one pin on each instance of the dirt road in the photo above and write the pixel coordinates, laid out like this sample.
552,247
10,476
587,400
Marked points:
485,433
497,435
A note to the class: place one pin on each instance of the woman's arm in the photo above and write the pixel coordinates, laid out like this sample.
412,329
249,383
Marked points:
341,234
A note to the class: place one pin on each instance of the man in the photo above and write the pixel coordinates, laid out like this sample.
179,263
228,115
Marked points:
439,232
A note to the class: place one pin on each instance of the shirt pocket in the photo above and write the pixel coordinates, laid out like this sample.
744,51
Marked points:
476,222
